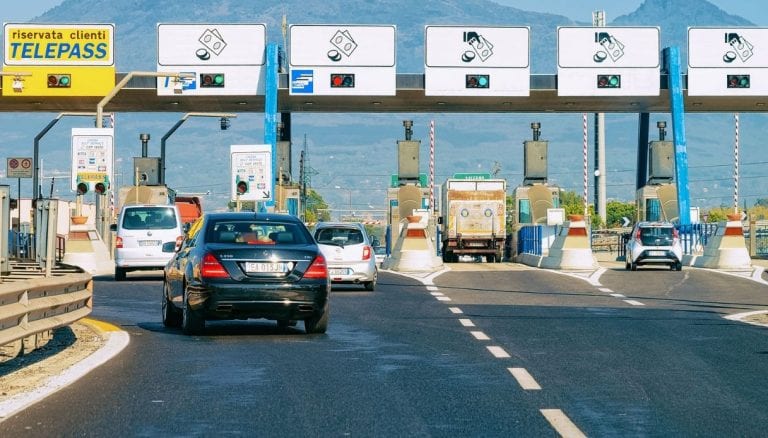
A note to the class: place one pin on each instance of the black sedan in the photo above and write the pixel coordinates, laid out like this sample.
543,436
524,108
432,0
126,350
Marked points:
246,265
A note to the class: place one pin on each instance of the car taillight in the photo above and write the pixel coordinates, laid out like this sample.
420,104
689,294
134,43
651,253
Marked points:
637,235
179,241
675,234
212,268
318,268
118,242
366,252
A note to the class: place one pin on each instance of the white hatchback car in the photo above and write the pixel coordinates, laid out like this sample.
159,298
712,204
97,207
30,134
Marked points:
348,253
654,243
141,231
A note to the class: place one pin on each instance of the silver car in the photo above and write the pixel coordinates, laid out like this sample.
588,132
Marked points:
654,243
348,253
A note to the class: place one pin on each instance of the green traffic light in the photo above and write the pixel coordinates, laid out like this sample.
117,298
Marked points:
218,79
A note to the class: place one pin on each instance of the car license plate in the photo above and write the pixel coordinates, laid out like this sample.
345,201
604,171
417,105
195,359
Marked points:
149,242
338,271
262,267
657,253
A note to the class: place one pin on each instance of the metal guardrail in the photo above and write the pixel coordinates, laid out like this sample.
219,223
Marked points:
32,304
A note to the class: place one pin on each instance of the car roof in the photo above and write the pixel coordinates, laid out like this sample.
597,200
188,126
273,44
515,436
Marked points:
249,215
353,225
655,224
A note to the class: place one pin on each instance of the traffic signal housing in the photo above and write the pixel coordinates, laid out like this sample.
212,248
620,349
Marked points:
82,188
478,81
342,80
242,187
100,188
59,81
738,81
608,81
212,80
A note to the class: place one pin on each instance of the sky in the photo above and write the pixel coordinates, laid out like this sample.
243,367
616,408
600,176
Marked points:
753,10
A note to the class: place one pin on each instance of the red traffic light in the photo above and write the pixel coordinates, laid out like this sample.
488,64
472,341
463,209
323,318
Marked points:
82,188
342,80
100,188
242,187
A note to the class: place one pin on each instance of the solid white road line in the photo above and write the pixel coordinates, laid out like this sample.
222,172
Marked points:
432,288
618,295
455,310
466,322
605,289
524,378
497,352
562,424
634,303
480,336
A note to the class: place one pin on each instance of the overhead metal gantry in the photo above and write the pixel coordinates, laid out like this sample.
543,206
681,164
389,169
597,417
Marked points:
140,95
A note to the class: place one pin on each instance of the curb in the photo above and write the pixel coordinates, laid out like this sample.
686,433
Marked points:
115,340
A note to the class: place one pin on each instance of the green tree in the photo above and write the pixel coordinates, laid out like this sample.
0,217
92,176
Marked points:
615,211
317,208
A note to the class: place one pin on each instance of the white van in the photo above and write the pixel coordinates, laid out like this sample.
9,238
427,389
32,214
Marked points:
141,232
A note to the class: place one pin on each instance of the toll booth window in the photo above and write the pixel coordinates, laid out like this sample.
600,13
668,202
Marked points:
524,209
555,201
653,210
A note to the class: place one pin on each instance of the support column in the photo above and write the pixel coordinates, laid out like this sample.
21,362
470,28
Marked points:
270,112
675,85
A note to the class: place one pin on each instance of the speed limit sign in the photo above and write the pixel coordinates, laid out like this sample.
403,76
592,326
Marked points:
19,167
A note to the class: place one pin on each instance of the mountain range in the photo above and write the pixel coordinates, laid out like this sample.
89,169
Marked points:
357,152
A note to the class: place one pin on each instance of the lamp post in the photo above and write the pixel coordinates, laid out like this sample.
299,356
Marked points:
123,82
224,125
349,192
36,150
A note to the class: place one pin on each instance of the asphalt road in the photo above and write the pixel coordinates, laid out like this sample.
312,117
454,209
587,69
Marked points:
442,360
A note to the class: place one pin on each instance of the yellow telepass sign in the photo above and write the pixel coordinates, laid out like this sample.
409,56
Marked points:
63,59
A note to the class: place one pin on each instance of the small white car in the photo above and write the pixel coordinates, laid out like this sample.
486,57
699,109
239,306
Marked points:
654,243
141,230
348,253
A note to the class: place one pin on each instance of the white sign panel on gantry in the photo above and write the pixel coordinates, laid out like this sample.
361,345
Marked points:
731,61
232,53
608,61
476,61
92,156
252,164
342,60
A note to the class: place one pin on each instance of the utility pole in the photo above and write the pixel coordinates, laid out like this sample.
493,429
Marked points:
598,20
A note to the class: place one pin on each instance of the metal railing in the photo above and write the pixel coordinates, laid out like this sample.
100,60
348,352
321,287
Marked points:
32,304
22,246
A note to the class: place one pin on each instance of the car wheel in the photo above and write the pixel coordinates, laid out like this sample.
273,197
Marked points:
371,285
171,315
318,323
679,266
119,274
633,266
192,323
626,265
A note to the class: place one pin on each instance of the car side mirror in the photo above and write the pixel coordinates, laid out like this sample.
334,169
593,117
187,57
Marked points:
440,220
169,247
113,227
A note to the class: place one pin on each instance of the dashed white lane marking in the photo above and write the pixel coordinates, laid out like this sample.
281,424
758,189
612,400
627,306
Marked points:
443,299
525,379
480,336
436,294
432,288
562,424
618,295
634,303
605,289
455,310
497,352
466,322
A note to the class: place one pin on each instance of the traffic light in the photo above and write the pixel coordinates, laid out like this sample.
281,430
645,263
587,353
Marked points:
13,204
478,81
211,80
59,81
242,187
608,81
738,81
100,188
82,188
342,80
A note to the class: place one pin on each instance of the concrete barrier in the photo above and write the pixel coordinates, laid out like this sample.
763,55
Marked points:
413,251
727,249
571,249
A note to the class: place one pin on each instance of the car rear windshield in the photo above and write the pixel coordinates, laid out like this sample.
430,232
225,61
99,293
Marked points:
250,232
339,236
145,218
656,236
